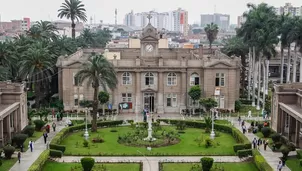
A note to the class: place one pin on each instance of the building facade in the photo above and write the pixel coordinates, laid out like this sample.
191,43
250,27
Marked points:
287,111
289,9
13,110
222,20
155,78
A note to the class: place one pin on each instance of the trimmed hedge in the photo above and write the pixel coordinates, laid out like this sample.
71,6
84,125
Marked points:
39,163
242,140
54,144
244,153
260,162
55,153
299,154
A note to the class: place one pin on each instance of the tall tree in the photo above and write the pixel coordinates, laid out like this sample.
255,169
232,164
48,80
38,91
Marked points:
73,10
211,31
97,71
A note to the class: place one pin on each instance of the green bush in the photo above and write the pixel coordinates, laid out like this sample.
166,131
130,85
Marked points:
8,151
276,137
55,153
300,161
244,153
291,146
209,142
19,139
87,163
85,143
206,163
39,124
113,130
39,163
29,130
285,151
238,105
278,145
0,162
299,154
61,148
260,162
266,131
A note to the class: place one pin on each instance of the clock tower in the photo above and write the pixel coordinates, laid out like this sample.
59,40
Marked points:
149,40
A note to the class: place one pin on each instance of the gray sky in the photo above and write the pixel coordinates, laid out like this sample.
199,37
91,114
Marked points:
104,9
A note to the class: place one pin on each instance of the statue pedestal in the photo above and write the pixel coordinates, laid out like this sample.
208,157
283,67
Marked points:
149,138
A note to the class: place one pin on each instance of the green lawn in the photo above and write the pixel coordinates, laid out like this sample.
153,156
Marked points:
55,166
36,136
293,163
244,166
7,164
187,145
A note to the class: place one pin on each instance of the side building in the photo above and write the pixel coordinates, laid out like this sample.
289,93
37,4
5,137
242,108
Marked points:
287,111
155,78
13,110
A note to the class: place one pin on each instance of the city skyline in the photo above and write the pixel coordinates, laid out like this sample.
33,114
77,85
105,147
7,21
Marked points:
47,10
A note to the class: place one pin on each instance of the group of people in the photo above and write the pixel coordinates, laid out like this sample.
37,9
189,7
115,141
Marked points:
45,135
259,142
242,123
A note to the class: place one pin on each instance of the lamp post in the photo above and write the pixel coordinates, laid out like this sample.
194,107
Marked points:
86,135
212,135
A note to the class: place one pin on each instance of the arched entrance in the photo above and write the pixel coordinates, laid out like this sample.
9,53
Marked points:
149,101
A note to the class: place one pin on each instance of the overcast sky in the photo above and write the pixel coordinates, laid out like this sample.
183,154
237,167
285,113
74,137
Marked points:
104,9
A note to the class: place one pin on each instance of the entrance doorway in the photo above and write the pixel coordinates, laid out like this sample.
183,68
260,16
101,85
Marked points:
149,101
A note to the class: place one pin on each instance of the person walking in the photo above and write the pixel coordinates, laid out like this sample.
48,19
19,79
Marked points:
45,137
54,127
19,156
239,120
31,145
259,143
255,143
265,143
280,166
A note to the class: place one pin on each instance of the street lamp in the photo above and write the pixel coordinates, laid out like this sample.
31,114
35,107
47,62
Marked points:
86,135
212,135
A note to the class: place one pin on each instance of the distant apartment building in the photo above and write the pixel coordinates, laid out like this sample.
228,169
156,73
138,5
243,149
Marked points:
64,28
240,21
222,20
15,25
289,9
176,20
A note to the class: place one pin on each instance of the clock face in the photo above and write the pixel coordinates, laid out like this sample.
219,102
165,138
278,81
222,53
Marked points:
149,48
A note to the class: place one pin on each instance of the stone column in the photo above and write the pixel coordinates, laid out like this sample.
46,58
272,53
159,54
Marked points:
138,93
8,127
16,125
297,132
183,90
1,133
282,121
160,93
289,125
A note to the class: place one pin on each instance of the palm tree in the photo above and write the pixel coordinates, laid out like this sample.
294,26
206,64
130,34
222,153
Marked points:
87,38
36,66
73,10
97,71
211,31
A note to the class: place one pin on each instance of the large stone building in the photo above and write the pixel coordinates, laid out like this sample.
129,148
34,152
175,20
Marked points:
13,110
287,111
155,78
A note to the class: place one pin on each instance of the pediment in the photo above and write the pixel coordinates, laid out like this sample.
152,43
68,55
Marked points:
148,90
220,64
73,64
149,38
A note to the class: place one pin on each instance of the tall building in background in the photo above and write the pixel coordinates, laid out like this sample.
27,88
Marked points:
129,19
289,9
240,21
222,20
180,21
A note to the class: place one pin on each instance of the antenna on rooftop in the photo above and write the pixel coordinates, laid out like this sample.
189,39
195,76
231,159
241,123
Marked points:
115,17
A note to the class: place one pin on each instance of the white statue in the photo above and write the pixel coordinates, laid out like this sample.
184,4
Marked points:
149,138
249,114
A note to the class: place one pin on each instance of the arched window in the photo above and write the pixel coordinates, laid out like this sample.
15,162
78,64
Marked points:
126,77
171,79
149,79
194,79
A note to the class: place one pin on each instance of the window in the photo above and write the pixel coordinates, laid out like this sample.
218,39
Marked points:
126,77
149,79
194,79
76,80
171,100
172,79
126,97
76,99
219,81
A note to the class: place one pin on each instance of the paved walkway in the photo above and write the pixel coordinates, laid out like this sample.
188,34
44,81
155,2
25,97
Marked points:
28,158
150,163
271,157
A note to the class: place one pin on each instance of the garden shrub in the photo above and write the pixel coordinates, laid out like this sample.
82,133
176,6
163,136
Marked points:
276,137
85,143
29,130
291,146
61,148
39,163
260,162
87,163
299,154
266,131
244,153
55,153
206,163
300,161
209,142
285,151
181,125
278,145
113,130
8,151
98,139
39,124
0,162
19,139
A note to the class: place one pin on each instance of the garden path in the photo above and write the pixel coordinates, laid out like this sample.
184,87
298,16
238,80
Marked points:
149,163
271,157
28,158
